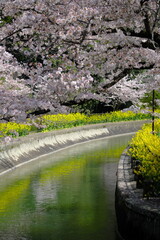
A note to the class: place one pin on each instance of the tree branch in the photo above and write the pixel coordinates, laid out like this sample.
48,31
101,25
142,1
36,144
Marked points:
11,34
124,73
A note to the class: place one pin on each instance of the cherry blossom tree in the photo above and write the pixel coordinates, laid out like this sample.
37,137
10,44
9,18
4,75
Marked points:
60,53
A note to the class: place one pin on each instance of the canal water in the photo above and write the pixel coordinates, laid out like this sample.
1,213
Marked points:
68,195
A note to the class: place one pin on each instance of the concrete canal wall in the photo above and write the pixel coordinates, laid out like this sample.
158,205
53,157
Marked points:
31,147
138,218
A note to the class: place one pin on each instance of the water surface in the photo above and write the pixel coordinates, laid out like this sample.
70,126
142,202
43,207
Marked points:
68,195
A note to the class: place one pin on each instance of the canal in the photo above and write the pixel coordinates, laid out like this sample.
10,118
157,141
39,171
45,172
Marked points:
68,195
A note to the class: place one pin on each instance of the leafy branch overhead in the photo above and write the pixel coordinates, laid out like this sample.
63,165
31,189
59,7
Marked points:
55,53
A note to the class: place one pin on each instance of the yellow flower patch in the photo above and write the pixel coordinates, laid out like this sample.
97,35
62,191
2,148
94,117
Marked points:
145,147
14,129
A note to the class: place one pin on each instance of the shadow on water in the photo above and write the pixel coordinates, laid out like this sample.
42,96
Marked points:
67,196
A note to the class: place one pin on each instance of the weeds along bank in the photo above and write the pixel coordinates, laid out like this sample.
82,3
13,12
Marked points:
52,122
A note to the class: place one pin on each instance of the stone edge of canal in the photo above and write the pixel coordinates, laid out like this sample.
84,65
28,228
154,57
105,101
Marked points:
137,218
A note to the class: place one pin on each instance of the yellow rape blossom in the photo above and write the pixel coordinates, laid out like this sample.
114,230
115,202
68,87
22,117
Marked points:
145,147
60,121
14,129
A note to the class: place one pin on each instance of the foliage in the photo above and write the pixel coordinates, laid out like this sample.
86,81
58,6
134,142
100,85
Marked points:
147,100
88,106
145,148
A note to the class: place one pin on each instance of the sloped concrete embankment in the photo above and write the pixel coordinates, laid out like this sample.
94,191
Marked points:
31,147
138,218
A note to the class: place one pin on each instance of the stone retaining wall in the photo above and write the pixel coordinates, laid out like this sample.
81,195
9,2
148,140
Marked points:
138,218
31,147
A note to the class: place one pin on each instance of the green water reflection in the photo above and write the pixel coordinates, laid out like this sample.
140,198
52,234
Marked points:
69,195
